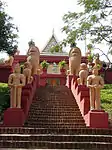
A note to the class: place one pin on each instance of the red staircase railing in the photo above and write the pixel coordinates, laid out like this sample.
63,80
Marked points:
93,118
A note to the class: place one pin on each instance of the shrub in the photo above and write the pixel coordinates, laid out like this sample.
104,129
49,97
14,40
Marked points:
44,64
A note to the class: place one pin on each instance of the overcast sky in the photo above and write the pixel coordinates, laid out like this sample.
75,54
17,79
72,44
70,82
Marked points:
37,18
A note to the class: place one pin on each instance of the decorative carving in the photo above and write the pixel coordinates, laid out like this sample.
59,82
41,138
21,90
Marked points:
74,60
95,83
27,72
83,74
16,81
34,58
51,43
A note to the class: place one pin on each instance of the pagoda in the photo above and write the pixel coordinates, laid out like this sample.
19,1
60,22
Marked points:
52,42
47,54
55,56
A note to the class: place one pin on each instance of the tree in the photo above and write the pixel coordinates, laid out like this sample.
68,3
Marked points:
8,31
95,22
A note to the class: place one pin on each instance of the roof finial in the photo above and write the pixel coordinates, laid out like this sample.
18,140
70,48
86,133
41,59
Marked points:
53,31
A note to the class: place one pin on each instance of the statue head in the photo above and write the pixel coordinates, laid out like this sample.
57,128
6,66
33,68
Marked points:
83,66
95,71
97,56
75,52
33,49
17,68
27,65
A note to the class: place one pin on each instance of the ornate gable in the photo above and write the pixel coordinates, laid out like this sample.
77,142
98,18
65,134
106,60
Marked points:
52,42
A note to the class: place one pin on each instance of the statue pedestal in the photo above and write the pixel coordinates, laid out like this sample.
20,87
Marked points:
14,117
85,105
97,119
70,78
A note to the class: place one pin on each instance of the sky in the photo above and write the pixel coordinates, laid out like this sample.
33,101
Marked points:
36,20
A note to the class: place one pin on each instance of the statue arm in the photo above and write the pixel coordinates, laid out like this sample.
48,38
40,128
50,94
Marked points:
29,76
24,75
89,81
28,58
101,82
22,79
10,84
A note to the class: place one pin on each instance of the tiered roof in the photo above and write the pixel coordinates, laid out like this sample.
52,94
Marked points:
52,42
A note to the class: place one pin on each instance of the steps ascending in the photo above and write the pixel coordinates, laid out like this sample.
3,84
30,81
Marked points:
55,107
55,122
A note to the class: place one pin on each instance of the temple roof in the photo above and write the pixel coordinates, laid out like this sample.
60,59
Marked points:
52,42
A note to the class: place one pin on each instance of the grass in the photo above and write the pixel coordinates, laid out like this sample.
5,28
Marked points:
106,99
4,97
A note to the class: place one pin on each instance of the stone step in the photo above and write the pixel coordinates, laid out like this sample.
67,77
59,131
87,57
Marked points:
41,125
55,145
50,108
53,121
25,130
55,97
54,105
50,122
56,118
67,113
55,114
59,105
55,109
56,138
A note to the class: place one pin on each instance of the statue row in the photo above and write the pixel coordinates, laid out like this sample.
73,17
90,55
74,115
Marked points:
17,80
94,82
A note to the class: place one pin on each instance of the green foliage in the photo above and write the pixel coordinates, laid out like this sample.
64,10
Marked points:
8,31
56,48
4,97
62,64
90,57
106,98
90,46
44,64
94,21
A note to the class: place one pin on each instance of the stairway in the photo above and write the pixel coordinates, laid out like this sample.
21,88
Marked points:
55,107
55,122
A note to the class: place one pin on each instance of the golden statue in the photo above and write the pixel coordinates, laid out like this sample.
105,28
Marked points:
83,74
34,58
95,83
27,72
16,81
74,61
97,62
